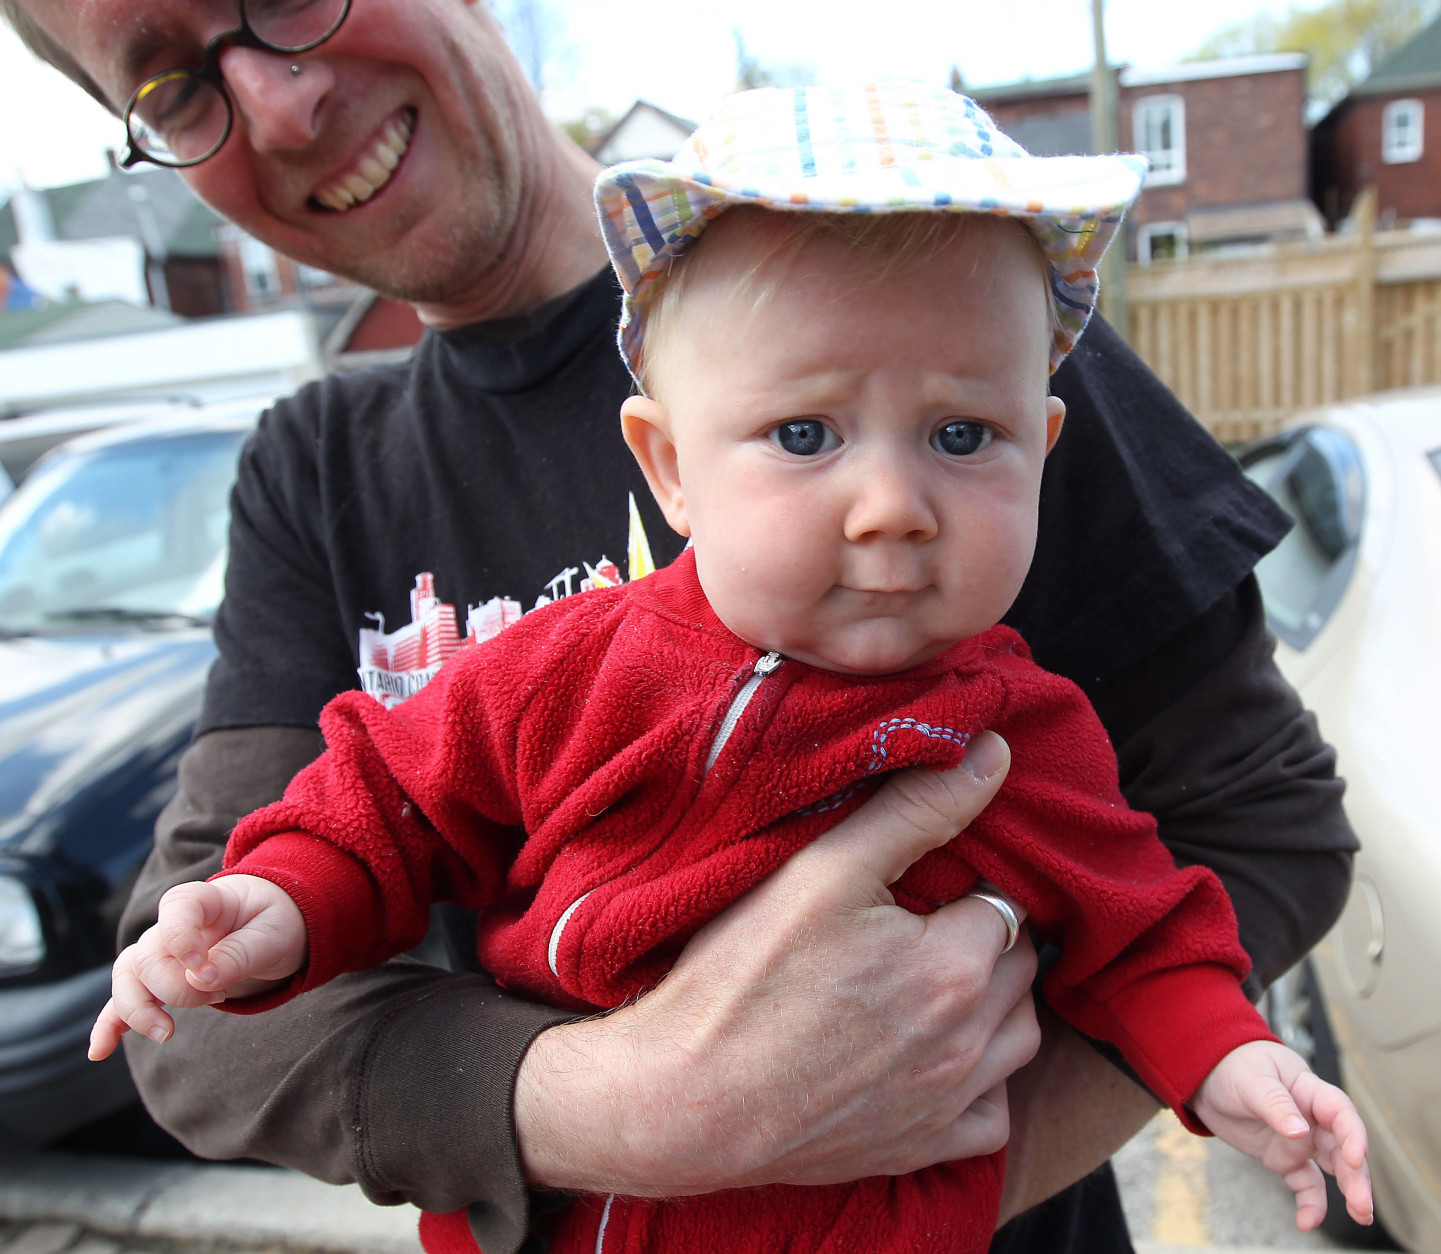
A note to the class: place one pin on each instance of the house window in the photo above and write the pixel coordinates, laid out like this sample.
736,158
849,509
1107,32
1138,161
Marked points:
1401,135
1159,126
262,275
1160,241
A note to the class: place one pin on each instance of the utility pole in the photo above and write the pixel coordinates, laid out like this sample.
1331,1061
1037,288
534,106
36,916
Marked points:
1105,137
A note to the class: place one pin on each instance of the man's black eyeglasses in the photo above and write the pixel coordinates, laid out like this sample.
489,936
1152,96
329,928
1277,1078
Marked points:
182,117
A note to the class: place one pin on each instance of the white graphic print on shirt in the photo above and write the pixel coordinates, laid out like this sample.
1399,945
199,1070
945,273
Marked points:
397,664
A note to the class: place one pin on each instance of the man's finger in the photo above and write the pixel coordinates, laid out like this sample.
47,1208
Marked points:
916,811
971,918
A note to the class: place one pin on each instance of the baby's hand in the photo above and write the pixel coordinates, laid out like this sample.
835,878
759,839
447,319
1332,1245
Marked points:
230,938
1264,1100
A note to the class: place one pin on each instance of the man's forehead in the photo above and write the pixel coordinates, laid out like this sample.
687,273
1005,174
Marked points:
116,40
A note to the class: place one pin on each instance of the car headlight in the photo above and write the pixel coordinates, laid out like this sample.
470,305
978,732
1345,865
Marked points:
22,939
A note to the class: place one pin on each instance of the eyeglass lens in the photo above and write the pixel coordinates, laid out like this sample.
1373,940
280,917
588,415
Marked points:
181,117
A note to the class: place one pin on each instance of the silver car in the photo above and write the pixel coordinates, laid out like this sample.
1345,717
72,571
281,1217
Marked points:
1354,594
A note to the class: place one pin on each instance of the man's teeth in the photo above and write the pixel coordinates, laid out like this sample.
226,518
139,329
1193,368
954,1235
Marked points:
373,171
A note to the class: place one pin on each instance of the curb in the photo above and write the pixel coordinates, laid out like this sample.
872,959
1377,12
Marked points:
226,1204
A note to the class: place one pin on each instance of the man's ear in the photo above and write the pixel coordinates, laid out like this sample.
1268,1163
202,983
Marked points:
1055,416
646,427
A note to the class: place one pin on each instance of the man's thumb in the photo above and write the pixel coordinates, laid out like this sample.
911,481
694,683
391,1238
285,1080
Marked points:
916,811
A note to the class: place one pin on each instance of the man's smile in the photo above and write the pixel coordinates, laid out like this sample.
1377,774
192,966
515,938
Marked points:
374,168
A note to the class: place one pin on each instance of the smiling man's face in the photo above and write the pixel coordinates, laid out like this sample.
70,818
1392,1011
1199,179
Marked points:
418,101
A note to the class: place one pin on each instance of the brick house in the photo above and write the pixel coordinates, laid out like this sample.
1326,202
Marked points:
1227,142
1377,136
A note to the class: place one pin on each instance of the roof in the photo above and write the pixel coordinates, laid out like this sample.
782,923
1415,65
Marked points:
1055,134
135,203
1274,219
1225,67
672,129
71,322
1142,76
1414,65
1032,88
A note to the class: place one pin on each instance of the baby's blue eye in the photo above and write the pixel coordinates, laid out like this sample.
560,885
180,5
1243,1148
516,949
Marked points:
961,439
805,437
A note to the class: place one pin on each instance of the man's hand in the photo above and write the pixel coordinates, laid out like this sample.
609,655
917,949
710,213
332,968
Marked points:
814,1033
227,938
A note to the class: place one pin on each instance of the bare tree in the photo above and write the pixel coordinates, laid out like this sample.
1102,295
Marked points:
536,32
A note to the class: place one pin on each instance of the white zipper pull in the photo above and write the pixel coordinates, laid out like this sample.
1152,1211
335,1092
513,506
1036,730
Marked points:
765,664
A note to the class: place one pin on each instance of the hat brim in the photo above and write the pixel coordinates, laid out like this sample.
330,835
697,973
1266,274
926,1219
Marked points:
652,211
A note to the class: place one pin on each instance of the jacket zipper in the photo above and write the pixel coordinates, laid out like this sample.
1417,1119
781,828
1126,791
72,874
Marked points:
765,665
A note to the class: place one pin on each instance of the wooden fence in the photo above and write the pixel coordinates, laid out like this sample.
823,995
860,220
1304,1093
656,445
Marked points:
1248,342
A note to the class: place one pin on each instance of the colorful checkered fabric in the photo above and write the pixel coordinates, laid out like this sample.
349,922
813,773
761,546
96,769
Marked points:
886,148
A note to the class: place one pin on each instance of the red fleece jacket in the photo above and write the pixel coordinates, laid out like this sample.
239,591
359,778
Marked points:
560,778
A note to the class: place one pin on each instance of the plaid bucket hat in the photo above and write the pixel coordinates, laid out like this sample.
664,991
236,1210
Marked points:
882,148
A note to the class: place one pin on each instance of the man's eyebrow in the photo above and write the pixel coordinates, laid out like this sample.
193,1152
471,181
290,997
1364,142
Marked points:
139,49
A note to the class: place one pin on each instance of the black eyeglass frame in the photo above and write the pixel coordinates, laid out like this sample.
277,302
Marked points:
208,71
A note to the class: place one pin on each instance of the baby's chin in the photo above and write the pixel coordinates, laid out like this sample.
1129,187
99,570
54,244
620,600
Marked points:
876,649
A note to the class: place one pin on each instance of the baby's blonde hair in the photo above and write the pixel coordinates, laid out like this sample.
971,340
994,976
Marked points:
887,242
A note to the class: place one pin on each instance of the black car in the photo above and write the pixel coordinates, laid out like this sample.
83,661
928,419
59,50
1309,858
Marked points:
112,552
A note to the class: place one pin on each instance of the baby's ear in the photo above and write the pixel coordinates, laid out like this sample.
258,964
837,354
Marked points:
1055,416
646,427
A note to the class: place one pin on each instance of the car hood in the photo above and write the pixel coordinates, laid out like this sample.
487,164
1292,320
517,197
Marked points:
84,716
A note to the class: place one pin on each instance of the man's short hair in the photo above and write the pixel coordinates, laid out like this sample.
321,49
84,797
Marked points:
38,40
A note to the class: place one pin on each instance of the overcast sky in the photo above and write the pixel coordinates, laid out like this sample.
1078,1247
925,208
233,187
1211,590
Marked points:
682,58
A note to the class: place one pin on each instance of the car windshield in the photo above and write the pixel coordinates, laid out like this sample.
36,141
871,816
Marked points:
128,535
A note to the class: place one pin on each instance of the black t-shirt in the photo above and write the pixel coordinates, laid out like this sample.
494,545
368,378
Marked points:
492,462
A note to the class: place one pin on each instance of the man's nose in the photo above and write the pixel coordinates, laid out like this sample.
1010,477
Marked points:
277,108
889,501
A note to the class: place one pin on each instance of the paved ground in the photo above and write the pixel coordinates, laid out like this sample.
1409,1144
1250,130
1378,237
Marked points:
1182,1192
81,1204
1183,1195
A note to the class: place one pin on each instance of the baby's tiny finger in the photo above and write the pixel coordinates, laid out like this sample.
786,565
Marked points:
1309,1186
137,1006
205,977
105,1035
185,912
1355,1186
1351,1140
1278,1108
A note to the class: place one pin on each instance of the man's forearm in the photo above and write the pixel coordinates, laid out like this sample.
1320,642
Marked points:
1240,780
399,1078
1070,1111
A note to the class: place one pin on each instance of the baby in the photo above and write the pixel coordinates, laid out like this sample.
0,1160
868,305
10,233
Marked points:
842,308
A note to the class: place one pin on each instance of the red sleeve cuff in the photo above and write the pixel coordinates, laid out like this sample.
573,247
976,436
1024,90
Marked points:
320,879
1174,1027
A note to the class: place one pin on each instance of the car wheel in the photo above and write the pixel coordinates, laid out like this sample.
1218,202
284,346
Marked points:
1294,1008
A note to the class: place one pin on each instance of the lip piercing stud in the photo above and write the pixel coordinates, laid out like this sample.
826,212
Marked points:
294,69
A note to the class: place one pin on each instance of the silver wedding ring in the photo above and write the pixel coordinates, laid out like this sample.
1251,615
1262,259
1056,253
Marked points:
1004,909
